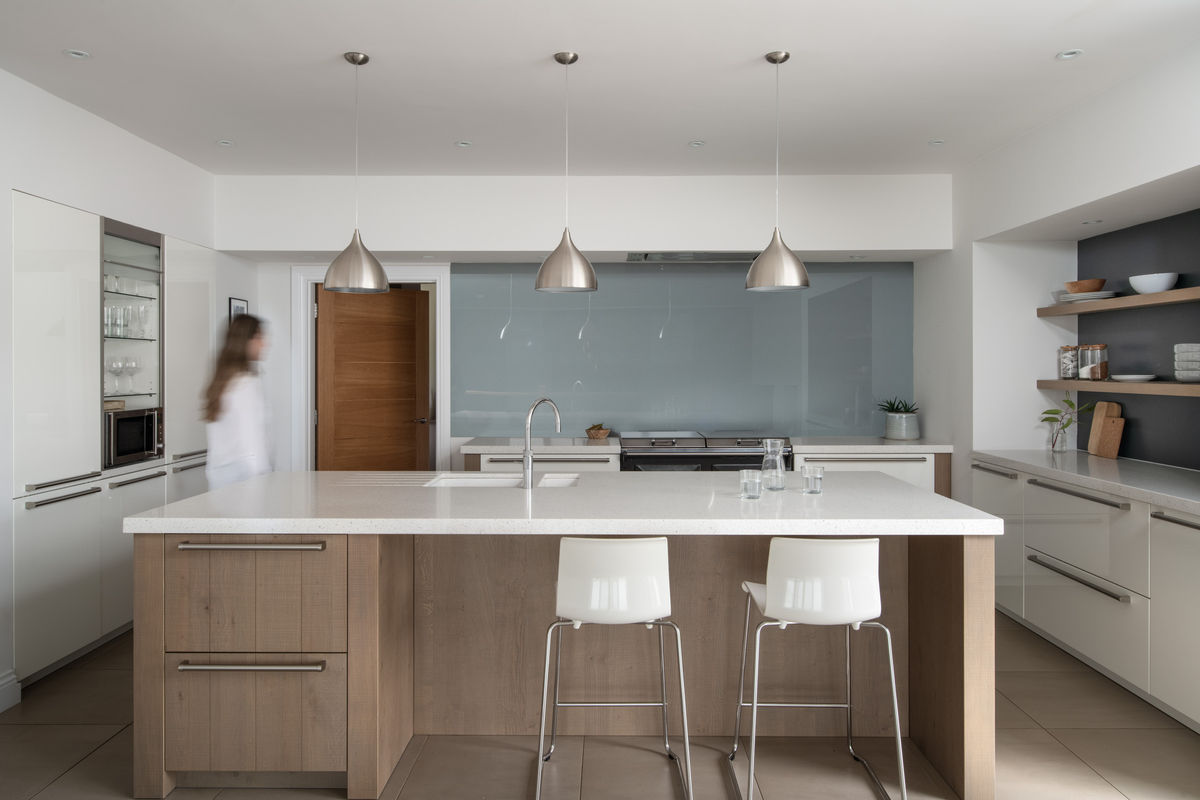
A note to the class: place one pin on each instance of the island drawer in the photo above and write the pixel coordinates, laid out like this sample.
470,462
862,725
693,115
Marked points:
255,712
242,593
914,468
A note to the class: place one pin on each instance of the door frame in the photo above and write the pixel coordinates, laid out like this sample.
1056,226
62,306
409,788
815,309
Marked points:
304,353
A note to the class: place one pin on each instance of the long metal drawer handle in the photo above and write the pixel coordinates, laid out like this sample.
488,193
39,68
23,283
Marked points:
663,442
33,487
552,460
1081,495
187,666
272,547
72,496
837,459
178,456
1120,598
1175,520
1012,476
189,466
118,484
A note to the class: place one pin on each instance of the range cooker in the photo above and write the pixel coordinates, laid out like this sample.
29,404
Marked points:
692,451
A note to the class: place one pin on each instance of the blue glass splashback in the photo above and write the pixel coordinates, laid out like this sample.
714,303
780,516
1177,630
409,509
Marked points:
680,347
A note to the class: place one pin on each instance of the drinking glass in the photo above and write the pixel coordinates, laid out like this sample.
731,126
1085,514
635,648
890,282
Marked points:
132,368
143,317
752,482
110,283
812,477
772,467
116,366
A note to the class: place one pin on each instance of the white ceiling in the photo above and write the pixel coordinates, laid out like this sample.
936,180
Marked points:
869,82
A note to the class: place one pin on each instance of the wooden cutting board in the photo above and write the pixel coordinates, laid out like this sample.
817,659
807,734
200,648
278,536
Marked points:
1107,427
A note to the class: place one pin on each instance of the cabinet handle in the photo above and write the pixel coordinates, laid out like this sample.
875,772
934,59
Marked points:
189,466
178,456
553,460
118,484
1012,476
33,487
1175,520
187,666
72,496
850,459
1081,495
275,547
1120,598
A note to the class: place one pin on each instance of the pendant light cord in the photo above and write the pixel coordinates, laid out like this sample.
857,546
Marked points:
356,146
777,146
566,146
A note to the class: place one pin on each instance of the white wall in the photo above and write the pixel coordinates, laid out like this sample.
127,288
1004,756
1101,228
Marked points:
61,152
274,306
615,214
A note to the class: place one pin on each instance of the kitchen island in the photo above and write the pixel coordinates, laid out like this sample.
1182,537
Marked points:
375,607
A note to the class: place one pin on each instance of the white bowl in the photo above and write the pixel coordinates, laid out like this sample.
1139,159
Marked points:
1153,282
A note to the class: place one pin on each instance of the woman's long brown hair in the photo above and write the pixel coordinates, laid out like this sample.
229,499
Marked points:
231,362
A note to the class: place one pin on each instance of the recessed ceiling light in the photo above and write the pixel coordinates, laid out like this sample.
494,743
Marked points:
936,142
463,143
696,143
1091,222
80,54
225,142
1067,55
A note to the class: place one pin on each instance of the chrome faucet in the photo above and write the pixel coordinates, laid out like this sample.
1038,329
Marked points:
527,456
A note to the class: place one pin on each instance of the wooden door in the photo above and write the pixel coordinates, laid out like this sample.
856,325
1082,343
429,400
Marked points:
373,380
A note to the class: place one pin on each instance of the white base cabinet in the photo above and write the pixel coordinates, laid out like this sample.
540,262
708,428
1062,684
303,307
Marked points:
186,479
126,495
998,492
557,462
914,468
1174,632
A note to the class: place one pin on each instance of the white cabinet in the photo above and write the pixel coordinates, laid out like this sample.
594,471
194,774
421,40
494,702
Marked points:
1174,634
56,343
998,491
914,468
56,581
186,479
189,321
557,461
127,494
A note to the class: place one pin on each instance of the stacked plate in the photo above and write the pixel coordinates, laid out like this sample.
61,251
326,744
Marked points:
1187,363
1075,297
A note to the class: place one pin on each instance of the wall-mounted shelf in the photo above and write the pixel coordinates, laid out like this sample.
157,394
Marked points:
1161,388
1167,298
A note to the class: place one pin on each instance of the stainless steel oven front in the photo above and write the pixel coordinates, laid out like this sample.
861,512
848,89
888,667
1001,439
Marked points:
132,436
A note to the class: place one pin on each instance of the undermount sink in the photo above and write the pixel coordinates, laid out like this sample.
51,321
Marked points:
552,481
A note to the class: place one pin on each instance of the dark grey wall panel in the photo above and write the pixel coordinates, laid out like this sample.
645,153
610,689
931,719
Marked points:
1161,429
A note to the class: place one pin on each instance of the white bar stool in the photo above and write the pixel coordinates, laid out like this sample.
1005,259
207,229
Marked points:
614,582
816,582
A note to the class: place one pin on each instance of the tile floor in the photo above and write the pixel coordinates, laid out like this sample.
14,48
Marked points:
1062,731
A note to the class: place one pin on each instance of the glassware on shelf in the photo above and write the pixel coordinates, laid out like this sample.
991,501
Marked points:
115,367
1093,362
132,368
110,283
143,317
772,467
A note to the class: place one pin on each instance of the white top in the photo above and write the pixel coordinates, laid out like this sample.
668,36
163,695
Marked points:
238,447
1173,488
601,503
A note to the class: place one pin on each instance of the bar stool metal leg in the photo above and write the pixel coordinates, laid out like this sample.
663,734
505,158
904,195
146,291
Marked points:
895,713
737,717
687,744
662,673
541,761
554,709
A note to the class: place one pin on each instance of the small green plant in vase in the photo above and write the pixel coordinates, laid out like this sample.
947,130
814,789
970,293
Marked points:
1062,418
901,422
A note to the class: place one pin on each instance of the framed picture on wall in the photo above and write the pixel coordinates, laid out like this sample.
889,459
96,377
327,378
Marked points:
237,307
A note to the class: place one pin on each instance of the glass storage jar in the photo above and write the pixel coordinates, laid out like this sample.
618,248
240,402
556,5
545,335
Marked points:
1068,361
1093,362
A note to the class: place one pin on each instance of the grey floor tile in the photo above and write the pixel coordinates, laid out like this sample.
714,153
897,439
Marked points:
822,768
278,794
1019,649
628,766
1009,716
1078,700
33,756
492,767
76,697
117,654
1033,765
1143,764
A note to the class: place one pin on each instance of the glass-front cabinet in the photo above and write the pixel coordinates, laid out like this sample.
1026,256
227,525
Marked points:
131,317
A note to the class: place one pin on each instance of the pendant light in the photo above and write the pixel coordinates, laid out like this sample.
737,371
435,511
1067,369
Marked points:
777,268
356,269
566,269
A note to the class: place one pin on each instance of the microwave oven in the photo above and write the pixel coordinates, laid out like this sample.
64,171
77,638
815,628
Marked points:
132,436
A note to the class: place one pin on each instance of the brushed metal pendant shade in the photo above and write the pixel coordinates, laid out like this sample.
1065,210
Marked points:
566,269
356,269
777,268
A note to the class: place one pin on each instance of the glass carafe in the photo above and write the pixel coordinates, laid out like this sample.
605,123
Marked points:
772,467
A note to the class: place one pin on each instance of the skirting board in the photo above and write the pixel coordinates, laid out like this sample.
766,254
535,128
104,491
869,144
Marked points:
10,690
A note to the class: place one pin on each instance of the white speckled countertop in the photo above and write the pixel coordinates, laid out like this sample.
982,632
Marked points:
1158,484
812,445
602,503
542,444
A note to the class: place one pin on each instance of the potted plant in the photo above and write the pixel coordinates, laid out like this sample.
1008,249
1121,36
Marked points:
1062,418
901,419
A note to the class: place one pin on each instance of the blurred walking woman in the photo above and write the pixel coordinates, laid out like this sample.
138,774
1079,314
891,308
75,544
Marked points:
235,407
